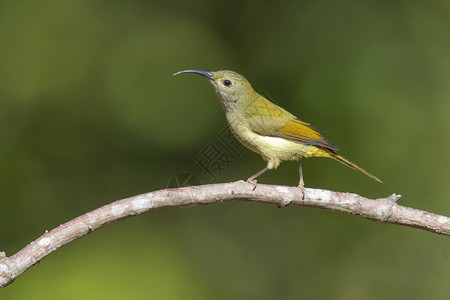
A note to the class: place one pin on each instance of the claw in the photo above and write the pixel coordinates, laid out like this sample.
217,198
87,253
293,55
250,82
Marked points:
254,182
302,188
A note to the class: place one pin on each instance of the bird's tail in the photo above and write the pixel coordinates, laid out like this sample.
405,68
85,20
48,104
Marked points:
352,165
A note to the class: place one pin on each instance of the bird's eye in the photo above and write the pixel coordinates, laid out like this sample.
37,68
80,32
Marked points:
226,82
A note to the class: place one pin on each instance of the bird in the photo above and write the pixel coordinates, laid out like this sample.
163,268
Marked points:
266,128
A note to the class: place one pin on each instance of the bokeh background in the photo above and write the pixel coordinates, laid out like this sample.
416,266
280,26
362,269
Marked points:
89,114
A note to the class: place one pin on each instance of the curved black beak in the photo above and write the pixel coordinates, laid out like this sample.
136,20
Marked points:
199,72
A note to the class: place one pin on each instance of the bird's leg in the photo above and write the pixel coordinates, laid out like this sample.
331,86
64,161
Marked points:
301,183
252,178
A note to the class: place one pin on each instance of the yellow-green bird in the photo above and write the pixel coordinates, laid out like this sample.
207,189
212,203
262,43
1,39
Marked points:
266,128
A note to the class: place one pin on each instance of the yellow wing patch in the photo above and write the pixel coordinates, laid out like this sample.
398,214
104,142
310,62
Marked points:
299,131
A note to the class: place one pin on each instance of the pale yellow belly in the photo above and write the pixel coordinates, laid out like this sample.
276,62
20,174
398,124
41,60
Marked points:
275,150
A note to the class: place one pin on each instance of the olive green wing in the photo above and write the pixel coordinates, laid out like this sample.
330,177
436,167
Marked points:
268,119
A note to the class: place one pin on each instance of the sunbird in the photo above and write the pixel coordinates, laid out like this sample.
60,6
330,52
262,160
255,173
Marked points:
267,129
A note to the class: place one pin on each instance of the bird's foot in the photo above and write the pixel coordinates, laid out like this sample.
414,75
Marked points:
252,181
302,188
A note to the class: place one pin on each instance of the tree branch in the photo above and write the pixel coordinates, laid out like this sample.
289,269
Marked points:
384,210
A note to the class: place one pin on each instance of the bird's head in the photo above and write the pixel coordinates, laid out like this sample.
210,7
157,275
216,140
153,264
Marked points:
231,87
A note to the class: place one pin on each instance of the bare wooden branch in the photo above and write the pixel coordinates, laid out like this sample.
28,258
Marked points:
382,210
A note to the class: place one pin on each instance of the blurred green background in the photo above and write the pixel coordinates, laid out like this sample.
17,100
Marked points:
89,114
